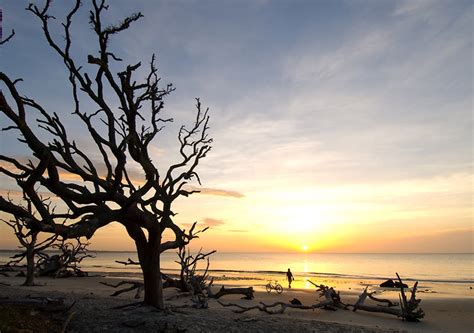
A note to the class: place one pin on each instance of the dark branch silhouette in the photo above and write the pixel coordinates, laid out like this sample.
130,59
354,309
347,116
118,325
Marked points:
126,119
10,36
31,247
67,262
189,279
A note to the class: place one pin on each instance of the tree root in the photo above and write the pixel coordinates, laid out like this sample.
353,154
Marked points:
134,285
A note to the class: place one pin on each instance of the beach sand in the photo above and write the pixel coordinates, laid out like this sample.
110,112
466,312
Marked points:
445,311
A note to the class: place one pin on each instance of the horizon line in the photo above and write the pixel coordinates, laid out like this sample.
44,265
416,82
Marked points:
267,252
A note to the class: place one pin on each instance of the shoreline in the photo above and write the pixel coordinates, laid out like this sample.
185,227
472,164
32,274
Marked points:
340,282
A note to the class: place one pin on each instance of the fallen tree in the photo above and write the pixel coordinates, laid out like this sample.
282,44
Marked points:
66,263
408,310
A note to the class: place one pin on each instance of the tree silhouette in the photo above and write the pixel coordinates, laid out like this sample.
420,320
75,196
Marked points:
125,121
30,247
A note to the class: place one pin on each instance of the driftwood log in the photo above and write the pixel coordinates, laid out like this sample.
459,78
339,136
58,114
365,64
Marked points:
128,262
359,305
274,308
408,310
246,292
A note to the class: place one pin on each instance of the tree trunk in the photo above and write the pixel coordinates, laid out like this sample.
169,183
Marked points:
149,257
30,267
152,280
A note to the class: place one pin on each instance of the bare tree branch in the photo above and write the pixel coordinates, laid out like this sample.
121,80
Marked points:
10,36
122,112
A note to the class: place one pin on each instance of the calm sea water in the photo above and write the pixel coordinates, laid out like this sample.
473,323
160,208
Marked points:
451,268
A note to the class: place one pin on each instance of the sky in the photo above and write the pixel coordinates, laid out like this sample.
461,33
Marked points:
338,126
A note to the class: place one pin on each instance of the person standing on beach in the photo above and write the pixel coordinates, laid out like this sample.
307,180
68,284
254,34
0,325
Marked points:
290,278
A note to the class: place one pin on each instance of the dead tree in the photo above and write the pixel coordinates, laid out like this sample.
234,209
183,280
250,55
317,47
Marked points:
198,284
28,238
408,310
189,279
332,298
127,119
66,263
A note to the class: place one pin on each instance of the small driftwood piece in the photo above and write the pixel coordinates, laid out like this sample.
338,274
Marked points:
128,262
133,285
246,292
408,310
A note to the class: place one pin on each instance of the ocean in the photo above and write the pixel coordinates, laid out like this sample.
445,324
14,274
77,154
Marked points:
428,268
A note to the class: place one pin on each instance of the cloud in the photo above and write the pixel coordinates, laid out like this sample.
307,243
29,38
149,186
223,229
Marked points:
237,230
220,192
211,222
411,7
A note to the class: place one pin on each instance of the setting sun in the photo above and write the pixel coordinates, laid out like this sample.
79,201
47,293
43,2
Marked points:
304,248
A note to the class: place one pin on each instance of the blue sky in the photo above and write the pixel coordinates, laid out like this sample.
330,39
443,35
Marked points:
362,109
